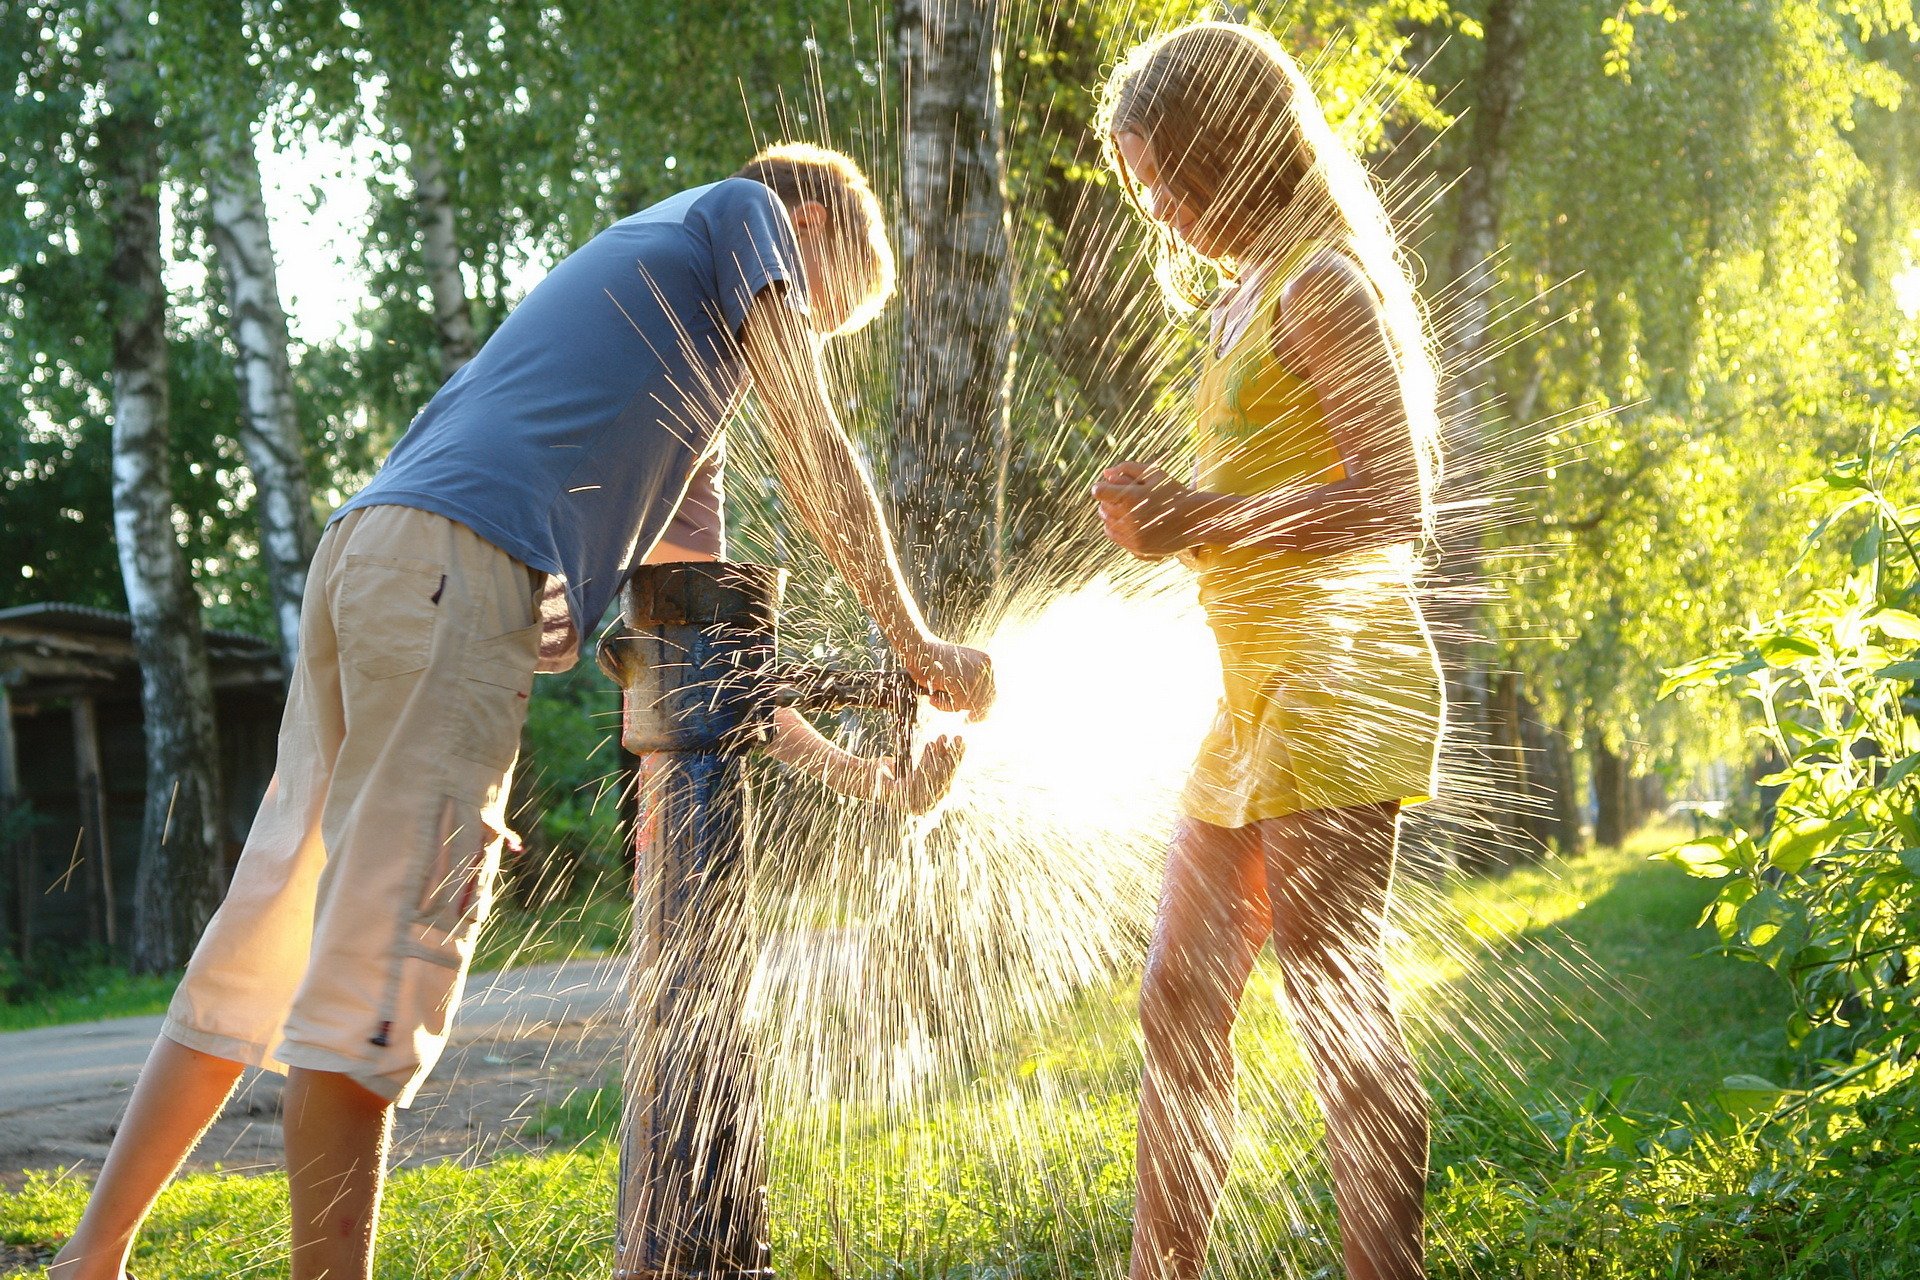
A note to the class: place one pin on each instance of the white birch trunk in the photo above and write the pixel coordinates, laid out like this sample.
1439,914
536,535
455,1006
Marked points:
269,426
178,884
440,249
947,476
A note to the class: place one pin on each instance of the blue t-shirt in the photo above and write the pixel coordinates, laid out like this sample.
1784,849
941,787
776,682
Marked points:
570,440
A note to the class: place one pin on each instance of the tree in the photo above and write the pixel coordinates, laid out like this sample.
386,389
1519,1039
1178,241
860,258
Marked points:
178,885
269,426
947,472
1708,349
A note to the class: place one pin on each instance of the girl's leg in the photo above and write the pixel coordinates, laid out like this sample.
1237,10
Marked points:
1328,876
1212,921
336,1134
176,1098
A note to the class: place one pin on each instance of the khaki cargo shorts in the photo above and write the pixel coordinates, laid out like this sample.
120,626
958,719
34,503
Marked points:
343,942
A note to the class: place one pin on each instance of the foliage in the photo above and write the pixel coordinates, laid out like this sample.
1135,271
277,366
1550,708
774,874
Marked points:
1697,325
1828,895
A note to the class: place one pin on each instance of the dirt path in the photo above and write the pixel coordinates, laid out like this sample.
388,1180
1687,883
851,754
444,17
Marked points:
525,1038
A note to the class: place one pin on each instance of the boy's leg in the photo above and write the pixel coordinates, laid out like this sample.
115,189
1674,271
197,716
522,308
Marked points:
336,1133
177,1096
230,1004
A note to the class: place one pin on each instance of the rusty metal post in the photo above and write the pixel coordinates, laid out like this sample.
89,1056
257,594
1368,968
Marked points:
692,1198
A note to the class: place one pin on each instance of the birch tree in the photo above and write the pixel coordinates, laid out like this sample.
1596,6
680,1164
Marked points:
178,883
440,252
269,425
1483,744
948,470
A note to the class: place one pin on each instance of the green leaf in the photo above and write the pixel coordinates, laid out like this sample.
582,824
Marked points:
1705,859
1794,846
1866,547
1725,909
1910,859
1784,650
1897,623
1699,671
1909,669
1745,1096
1898,774
1764,917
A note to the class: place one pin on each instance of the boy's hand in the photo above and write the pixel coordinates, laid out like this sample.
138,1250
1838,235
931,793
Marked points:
1144,511
955,677
929,779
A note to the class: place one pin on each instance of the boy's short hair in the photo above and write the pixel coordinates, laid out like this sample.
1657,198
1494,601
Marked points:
799,172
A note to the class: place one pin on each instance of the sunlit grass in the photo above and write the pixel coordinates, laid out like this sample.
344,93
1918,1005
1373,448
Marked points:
100,991
980,1175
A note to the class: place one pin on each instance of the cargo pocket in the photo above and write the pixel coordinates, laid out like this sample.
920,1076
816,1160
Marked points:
489,699
448,902
455,889
385,613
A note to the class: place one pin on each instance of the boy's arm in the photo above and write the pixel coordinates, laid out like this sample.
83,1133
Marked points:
914,785
798,745
821,477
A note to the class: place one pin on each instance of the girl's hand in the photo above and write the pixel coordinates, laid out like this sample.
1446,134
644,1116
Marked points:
1145,511
930,778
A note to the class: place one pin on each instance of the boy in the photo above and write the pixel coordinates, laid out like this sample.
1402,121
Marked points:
499,531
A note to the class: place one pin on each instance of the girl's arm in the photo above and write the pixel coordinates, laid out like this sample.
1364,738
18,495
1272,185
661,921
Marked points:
1333,337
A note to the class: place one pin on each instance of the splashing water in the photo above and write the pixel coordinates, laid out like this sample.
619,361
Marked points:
942,1008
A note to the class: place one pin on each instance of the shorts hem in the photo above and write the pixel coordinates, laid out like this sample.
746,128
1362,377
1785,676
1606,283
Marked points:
1250,814
313,1058
247,1053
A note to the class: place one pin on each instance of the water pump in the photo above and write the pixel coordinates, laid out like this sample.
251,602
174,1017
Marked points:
697,662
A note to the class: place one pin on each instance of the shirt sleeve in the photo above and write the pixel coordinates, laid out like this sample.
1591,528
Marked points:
753,248
700,521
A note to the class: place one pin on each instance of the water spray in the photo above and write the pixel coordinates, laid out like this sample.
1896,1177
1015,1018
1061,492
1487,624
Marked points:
697,663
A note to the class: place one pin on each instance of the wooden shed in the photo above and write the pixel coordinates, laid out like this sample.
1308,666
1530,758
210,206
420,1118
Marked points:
73,768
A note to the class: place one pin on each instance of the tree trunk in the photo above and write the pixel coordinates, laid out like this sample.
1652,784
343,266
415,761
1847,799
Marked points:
947,475
1568,834
1610,822
440,250
1477,236
270,429
1521,750
178,884
1459,624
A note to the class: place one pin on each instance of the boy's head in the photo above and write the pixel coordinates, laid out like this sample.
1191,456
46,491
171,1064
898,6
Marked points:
841,232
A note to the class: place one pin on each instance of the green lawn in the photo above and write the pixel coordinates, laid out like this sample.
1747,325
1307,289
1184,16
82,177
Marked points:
1568,999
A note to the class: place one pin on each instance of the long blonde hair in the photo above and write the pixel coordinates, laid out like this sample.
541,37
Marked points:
1229,114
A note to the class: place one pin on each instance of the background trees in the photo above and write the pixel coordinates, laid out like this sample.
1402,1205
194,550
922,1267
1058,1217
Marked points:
1663,251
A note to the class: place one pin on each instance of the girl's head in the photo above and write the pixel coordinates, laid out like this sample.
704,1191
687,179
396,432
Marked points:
1218,140
1199,126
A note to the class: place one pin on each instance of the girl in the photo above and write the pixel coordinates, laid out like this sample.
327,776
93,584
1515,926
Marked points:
1315,430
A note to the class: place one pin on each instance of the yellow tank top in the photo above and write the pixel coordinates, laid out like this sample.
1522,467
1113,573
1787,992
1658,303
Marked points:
1258,427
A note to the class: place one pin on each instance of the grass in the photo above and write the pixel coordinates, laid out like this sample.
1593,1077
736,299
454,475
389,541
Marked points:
1577,1139
86,993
